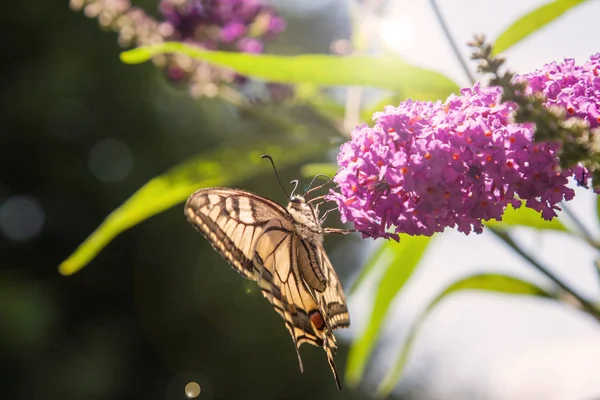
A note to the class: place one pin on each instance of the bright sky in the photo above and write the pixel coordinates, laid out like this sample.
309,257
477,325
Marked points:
485,346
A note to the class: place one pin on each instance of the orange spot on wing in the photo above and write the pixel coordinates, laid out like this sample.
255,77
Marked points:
317,320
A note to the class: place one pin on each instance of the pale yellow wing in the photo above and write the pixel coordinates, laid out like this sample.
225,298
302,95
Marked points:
279,252
232,221
257,237
333,299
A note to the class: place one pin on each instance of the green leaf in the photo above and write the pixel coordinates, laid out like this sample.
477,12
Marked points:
215,168
528,217
482,282
310,170
532,22
388,72
378,259
400,260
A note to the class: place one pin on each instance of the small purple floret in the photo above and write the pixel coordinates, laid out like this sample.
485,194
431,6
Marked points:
574,87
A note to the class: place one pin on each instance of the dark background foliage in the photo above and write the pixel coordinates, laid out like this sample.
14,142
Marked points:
158,308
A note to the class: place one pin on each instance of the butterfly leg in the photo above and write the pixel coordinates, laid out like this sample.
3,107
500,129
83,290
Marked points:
334,231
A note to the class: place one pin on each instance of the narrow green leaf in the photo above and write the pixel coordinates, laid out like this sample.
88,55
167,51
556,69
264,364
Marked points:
378,259
482,282
388,72
527,217
532,22
216,168
400,260
310,170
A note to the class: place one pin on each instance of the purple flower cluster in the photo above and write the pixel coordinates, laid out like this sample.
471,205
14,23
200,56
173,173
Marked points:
222,24
427,166
574,87
229,25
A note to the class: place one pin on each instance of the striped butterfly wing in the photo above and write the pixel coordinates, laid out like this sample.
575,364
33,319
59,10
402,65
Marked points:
280,257
333,299
257,237
232,221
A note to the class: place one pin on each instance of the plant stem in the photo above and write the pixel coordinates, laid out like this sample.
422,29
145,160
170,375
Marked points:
451,41
585,305
583,230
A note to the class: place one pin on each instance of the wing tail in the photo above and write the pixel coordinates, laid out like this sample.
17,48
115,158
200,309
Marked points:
330,360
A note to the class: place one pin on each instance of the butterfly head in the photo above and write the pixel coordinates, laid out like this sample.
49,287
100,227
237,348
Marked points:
297,202
300,209
306,217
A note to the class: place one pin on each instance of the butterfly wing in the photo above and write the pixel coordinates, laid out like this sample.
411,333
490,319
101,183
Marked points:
257,237
232,221
333,299
313,261
279,257
333,303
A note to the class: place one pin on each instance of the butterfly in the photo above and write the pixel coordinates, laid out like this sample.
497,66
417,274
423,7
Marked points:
281,248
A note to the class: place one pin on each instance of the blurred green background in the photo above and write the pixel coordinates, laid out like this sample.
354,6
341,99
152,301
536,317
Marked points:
157,308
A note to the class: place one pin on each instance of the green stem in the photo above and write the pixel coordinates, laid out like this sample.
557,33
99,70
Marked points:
452,42
585,305
583,230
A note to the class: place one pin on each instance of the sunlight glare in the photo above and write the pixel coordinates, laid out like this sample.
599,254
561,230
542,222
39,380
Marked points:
397,35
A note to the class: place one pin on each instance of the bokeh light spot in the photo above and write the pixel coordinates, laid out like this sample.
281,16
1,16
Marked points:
21,218
192,390
110,161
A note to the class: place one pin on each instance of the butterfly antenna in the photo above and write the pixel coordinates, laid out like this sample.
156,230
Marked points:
276,174
313,181
295,182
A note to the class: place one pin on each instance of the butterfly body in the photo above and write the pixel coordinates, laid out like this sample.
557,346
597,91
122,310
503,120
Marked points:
282,250
306,221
